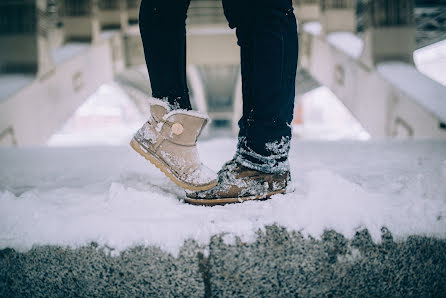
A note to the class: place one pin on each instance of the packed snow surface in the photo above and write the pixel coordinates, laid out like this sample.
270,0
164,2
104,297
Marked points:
112,196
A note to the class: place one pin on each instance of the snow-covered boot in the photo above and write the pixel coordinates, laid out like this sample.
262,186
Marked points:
168,140
237,184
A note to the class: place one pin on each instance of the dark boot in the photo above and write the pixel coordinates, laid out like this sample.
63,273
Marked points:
237,184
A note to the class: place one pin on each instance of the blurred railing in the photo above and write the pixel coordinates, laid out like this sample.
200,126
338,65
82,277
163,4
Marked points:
395,12
330,4
76,8
109,4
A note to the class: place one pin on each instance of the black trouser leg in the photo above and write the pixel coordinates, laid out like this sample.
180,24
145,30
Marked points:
267,36
163,32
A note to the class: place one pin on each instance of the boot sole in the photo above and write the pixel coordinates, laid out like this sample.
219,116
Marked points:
164,168
224,201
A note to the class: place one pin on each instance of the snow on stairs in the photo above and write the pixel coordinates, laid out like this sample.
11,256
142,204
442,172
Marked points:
364,219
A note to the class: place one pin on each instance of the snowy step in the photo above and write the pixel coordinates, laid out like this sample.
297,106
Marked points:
364,218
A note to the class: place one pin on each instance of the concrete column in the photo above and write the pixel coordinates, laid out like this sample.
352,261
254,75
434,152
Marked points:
81,20
113,14
56,35
338,15
389,31
133,11
24,45
306,10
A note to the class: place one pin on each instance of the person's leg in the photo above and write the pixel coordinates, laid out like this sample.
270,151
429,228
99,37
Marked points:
163,32
168,139
267,36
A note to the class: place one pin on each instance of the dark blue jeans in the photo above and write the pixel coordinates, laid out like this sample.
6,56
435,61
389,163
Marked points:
267,36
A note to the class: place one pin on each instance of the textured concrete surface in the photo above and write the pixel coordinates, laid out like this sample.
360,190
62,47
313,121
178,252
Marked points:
288,265
89,271
278,263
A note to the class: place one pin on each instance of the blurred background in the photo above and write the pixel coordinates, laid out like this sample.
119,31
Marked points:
72,72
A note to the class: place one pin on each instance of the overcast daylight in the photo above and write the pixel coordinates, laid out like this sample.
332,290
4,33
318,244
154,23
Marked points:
222,148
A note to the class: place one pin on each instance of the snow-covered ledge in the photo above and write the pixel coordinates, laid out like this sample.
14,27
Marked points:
427,93
77,220
408,104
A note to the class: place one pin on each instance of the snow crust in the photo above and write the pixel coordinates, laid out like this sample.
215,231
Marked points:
347,42
73,196
427,92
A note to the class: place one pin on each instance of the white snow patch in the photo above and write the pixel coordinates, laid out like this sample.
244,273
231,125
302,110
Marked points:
427,92
352,256
158,102
110,195
313,28
187,112
431,61
347,42
202,175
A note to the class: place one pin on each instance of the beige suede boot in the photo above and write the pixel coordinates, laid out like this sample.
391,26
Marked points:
168,140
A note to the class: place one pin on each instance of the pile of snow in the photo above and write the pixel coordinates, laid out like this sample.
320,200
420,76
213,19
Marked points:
110,195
